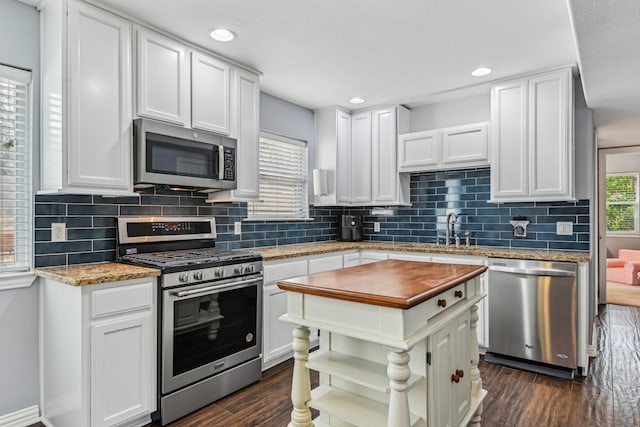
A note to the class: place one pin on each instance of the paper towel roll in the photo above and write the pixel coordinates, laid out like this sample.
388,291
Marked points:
320,182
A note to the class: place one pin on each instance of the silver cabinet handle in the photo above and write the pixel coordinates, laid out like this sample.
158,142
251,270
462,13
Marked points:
215,288
534,271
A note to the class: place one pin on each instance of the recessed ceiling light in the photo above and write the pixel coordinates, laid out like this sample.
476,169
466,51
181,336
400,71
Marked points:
481,71
356,100
222,35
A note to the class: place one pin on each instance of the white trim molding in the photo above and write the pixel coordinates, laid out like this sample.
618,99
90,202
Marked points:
23,417
16,281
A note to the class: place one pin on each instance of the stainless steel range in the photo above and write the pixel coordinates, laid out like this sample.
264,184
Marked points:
210,310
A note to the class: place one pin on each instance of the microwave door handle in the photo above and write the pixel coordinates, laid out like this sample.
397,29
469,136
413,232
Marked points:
215,289
220,162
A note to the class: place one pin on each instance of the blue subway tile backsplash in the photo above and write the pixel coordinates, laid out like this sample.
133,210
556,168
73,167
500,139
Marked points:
91,220
466,193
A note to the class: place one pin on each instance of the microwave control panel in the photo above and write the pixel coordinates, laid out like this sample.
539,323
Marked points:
229,164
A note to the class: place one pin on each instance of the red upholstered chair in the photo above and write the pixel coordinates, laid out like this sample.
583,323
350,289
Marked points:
625,268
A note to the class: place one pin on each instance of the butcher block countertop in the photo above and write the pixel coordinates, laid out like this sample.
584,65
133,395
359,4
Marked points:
291,251
92,274
389,283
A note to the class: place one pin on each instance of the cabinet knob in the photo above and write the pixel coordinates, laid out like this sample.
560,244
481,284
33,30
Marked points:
460,373
442,303
458,294
455,378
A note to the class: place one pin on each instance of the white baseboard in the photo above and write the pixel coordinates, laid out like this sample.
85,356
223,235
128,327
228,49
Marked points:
22,418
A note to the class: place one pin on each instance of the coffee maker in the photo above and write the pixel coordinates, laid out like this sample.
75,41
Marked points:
350,228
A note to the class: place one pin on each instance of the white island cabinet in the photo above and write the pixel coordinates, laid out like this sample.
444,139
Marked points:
98,353
398,345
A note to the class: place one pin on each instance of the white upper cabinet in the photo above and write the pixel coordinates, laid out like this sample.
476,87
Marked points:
87,100
359,153
532,138
360,158
163,78
418,151
384,165
468,145
210,89
448,148
245,127
342,165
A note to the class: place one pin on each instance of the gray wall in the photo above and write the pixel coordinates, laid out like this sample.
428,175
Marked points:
291,120
20,29
457,112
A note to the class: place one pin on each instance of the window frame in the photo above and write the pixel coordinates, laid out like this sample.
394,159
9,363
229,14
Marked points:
23,276
305,180
636,203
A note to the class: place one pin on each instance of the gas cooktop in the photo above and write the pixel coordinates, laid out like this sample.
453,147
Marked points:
187,257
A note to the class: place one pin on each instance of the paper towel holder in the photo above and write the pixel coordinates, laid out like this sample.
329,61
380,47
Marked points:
320,182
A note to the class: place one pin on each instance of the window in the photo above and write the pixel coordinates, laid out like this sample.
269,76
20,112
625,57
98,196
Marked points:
622,203
15,178
283,180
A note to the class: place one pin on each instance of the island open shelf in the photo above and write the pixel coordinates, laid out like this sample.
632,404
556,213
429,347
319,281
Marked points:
398,345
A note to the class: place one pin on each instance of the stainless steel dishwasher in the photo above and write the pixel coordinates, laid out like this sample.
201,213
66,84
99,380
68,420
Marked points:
533,315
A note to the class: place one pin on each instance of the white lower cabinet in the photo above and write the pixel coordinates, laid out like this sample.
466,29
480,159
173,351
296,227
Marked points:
276,345
120,377
98,353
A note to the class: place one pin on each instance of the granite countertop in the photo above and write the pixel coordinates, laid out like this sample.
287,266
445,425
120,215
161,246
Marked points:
292,251
398,284
92,274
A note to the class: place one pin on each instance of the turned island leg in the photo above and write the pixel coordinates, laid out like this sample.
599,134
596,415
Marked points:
476,381
300,384
399,373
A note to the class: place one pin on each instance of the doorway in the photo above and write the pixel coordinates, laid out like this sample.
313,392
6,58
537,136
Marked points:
619,229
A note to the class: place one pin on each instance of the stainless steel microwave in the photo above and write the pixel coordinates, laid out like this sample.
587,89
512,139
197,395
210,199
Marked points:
179,157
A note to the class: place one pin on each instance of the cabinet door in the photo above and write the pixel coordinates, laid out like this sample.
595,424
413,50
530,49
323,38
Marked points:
360,158
461,391
246,110
509,154
551,136
442,367
277,334
210,89
121,368
163,79
343,161
465,145
99,143
419,151
384,165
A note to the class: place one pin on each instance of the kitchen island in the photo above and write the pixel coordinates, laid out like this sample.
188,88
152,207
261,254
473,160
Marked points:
398,345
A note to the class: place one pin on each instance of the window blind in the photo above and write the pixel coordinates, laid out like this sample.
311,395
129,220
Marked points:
15,170
622,203
283,180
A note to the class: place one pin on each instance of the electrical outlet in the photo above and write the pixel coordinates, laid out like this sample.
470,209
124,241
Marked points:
564,228
376,227
58,232
237,228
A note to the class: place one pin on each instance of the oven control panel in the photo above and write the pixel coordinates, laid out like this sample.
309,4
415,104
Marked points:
210,274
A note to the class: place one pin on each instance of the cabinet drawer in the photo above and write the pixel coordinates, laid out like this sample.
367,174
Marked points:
447,299
284,270
327,263
105,302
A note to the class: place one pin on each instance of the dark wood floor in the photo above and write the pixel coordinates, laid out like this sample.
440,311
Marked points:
609,396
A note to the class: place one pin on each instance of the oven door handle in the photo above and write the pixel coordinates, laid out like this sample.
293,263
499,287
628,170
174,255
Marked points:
217,288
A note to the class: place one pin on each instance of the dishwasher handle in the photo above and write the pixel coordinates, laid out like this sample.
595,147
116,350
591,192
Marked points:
535,271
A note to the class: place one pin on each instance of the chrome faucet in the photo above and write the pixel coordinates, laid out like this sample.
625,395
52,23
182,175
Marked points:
450,221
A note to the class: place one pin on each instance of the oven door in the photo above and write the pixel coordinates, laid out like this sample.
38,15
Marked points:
208,328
